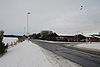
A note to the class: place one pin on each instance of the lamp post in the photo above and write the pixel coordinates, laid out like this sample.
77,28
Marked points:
28,22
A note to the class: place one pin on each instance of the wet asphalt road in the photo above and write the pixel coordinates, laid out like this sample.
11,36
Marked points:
80,57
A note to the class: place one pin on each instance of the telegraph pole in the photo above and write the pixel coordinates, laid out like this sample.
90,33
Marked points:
28,22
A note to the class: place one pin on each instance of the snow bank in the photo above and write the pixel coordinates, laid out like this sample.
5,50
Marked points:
92,45
25,54
60,42
9,40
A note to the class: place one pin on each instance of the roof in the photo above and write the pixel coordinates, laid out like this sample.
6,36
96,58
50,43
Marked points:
65,36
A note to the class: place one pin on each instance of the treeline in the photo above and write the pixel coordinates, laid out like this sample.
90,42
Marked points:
16,36
52,36
45,35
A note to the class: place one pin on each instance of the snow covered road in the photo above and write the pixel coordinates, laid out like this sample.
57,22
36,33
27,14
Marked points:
86,59
27,54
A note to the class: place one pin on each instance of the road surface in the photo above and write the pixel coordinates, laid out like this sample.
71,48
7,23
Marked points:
77,56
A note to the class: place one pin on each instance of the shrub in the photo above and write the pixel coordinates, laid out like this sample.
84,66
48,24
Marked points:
3,47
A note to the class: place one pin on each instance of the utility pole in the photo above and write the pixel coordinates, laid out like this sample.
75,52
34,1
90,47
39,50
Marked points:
28,22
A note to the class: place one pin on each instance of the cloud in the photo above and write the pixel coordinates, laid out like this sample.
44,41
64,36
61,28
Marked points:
62,16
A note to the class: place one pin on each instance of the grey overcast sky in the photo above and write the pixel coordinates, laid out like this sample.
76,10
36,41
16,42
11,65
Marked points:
61,16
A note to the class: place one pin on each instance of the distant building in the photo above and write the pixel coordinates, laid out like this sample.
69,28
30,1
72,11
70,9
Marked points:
52,36
95,38
67,38
74,38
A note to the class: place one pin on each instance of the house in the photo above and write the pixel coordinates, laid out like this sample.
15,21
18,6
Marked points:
67,38
94,38
75,38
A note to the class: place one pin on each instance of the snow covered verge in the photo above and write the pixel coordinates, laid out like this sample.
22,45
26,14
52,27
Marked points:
24,54
60,42
95,46
64,43
27,54
9,40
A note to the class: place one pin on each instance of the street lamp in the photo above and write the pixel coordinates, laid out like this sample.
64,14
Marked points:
28,22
